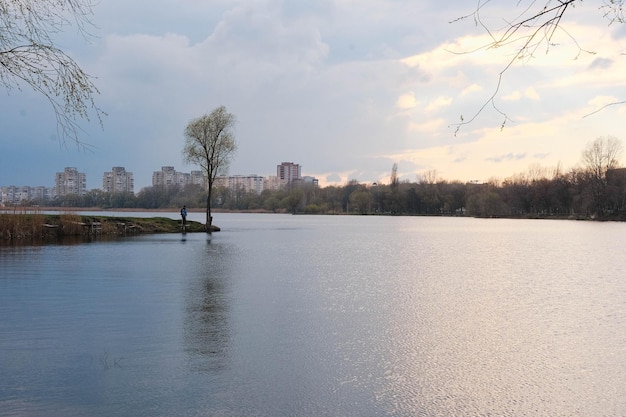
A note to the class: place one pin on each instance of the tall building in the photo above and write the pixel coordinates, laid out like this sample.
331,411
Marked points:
198,178
288,172
182,178
118,181
246,182
168,176
70,181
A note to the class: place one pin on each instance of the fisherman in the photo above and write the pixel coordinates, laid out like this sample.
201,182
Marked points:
183,214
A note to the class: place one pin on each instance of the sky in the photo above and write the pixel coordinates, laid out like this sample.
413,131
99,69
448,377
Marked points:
345,88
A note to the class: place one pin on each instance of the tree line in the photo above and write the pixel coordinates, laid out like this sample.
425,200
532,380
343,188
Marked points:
595,189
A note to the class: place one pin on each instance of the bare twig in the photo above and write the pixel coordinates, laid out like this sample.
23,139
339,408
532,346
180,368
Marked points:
530,32
28,56
615,103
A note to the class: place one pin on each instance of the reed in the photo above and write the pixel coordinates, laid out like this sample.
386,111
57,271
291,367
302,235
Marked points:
111,229
71,224
21,225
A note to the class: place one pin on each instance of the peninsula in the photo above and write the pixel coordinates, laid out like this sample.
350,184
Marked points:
20,227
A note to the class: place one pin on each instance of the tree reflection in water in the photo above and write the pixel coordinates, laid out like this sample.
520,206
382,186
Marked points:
206,327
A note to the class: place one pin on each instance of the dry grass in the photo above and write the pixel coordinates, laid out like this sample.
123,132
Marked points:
21,226
111,229
71,224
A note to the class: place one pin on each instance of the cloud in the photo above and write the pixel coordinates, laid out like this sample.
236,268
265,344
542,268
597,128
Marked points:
507,157
439,103
601,63
406,101
432,126
460,159
472,88
529,93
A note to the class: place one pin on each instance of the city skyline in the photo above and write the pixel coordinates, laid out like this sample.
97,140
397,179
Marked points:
72,181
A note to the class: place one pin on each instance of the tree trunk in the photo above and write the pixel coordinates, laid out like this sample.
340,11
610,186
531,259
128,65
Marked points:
209,218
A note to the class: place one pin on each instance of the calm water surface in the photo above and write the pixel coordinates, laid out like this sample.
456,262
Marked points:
283,315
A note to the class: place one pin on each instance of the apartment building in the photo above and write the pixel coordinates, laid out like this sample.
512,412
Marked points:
165,177
118,180
288,172
168,176
11,195
198,178
70,181
274,183
249,183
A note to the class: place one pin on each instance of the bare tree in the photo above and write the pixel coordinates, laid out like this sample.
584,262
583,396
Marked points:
602,155
532,28
599,157
210,144
29,57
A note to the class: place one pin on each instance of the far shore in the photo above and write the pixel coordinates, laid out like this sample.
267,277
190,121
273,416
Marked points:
175,210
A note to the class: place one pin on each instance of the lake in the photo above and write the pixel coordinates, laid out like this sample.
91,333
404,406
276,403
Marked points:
281,315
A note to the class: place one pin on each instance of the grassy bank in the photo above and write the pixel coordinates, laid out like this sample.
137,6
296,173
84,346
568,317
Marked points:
23,226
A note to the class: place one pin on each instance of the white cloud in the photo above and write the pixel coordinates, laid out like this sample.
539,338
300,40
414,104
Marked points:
529,93
406,101
431,126
513,96
472,88
439,103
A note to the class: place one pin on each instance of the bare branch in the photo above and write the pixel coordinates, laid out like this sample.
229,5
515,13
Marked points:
613,10
615,103
28,56
529,30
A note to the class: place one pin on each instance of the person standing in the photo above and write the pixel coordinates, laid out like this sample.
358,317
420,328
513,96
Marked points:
183,214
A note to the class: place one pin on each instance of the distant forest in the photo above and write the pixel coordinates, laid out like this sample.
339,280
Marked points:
538,193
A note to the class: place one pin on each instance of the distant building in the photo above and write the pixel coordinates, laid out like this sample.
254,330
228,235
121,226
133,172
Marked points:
118,181
12,195
198,178
274,183
7,194
249,183
168,176
288,172
70,181
182,178
310,180
40,193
